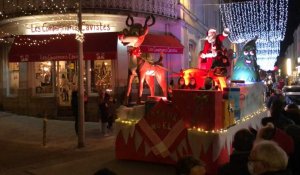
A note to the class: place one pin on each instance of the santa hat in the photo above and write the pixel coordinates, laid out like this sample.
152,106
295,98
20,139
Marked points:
210,31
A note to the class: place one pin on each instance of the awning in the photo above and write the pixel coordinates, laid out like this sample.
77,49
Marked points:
95,46
161,43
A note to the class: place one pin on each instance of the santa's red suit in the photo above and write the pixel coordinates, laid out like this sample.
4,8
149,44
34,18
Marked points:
212,45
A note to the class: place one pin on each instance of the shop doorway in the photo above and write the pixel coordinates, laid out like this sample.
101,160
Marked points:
66,81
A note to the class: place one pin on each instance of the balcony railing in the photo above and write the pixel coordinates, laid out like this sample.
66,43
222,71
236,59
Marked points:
16,8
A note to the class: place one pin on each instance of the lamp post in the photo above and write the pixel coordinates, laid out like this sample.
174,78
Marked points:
288,70
79,37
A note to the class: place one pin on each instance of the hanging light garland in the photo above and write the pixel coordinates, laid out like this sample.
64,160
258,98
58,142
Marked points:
33,42
30,10
266,54
265,19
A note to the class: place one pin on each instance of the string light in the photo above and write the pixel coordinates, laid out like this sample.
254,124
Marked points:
223,131
127,121
263,19
80,37
32,42
257,113
33,8
131,122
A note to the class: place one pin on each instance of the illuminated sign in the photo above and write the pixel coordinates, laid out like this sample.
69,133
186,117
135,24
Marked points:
48,28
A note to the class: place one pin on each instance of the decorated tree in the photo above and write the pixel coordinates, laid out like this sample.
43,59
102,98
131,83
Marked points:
246,67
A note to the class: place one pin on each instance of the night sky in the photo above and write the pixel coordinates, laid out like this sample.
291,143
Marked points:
292,24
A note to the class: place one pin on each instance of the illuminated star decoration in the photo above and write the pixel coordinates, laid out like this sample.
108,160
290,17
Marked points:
265,19
80,37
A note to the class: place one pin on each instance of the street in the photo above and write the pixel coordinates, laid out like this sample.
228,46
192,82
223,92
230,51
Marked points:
22,152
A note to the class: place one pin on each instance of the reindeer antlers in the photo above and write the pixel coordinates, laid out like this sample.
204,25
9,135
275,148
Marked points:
147,19
131,21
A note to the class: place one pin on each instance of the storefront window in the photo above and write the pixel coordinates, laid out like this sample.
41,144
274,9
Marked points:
101,75
43,77
191,52
66,81
14,78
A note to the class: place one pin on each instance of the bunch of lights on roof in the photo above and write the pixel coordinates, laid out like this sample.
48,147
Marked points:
33,8
265,19
242,120
34,42
38,6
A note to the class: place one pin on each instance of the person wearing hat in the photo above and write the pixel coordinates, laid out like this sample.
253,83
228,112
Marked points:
212,47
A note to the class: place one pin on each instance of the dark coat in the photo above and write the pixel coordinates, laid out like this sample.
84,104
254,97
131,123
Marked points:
237,164
293,115
284,172
104,109
74,103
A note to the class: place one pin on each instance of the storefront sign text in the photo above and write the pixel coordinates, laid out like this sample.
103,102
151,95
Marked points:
47,28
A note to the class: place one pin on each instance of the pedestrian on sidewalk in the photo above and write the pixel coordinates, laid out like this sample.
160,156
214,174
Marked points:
74,105
105,108
112,114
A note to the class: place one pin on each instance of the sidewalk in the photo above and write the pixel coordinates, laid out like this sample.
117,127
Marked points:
59,134
66,158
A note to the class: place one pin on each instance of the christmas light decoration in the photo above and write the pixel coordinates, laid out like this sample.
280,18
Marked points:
223,131
257,113
266,54
38,7
265,19
30,42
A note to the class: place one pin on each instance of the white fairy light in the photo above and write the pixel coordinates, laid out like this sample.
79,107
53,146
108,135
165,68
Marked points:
80,36
264,19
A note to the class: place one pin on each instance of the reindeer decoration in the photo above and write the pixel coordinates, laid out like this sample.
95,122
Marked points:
138,66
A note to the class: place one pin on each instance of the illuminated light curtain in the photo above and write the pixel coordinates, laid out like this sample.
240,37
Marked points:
266,54
265,19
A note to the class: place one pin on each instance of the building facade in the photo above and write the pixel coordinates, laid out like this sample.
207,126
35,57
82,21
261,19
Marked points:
38,60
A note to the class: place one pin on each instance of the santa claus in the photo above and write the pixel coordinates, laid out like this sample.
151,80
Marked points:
212,48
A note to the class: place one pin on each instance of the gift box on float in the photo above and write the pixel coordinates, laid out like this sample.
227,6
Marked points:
200,108
233,95
228,113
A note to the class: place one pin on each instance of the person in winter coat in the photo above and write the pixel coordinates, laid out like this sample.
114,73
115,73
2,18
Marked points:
267,158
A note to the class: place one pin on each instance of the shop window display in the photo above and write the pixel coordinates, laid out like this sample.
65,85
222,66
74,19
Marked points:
14,78
191,52
43,77
101,75
66,81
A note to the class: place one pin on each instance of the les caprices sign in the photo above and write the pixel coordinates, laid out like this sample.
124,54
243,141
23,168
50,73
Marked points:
48,28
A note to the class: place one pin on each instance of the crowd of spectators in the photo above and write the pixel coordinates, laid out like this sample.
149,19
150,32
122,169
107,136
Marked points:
274,149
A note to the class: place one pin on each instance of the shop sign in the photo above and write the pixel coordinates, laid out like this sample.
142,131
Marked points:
48,28
58,57
41,58
169,50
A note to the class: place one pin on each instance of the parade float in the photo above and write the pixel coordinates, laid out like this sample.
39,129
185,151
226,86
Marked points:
200,121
